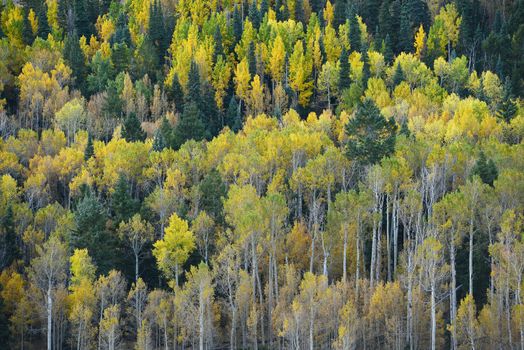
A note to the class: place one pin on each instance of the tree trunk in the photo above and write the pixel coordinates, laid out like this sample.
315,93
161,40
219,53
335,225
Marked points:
452,294
433,318
49,316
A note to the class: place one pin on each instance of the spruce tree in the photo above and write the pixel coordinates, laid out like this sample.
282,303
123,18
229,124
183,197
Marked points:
233,119
387,50
190,125
8,244
89,150
209,108
485,169
254,15
507,108
264,8
122,34
193,85
90,232
74,57
355,41
344,80
159,142
123,205
366,72
121,57
299,11
27,31
398,76
43,24
370,135
339,15
237,25
217,38
82,23
405,42
212,190
175,94
156,29
113,104
252,60
132,130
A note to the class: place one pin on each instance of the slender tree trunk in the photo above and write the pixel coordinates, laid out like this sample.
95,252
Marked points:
453,294
49,316
471,233
344,258
433,318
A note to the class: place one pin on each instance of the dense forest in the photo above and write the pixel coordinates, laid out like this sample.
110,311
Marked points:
261,174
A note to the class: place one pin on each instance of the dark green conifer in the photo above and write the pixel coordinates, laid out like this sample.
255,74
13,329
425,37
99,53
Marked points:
132,130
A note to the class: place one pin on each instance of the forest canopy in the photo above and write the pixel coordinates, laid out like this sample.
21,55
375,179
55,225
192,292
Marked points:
261,174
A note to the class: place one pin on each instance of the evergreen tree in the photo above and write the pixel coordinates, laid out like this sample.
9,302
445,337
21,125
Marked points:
404,129
370,14
213,190
43,24
217,38
27,31
89,150
113,104
237,25
371,136
485,169
394,25
366,72
233,119
252,60
175,93
339,14
355,41
74,57
123,205
193,86
299,11
210,111
254,15
507,108
405,42
398,77
264,8
156,29
387,49
82,23
344,80
132,130
122,34
120,56
159,142
8,244
190,125
145,60
90,232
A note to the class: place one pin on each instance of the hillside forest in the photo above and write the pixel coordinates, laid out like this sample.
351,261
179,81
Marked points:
261,174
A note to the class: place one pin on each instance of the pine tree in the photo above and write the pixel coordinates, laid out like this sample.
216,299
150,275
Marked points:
213,189
233,119
387,49
27,31
89,150
90,232
371,136
254,15
252,60
113,104
355,41
217,38
344,80
43,25
159,142
237,25
339,13
175,94
398,77
74,57
193,86
123,205
485,169
8,244
82,23
405,42
190,125
209,108
366,72
132,130
156,29
264,8
299,11
120,56
508,107
122,34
